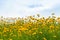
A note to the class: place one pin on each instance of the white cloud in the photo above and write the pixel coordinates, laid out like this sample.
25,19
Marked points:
27,7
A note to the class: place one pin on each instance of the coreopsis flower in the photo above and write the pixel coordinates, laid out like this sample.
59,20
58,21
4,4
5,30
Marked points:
44,38
34,33
23,29
40,32
52,27
10,39
58,20
5,29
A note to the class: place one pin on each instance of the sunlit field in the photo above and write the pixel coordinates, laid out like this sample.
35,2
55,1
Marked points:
30,28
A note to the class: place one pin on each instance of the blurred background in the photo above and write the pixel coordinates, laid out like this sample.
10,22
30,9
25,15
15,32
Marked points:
22,8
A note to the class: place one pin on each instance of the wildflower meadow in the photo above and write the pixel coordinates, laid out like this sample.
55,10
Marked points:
30,28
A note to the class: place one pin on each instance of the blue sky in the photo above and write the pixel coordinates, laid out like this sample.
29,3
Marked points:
21,8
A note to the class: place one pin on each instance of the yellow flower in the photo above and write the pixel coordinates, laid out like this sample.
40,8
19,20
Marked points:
44,38
22,29
34,33
51,27
58,20
10,39
11,33
57,27
5,29
34,29
40,32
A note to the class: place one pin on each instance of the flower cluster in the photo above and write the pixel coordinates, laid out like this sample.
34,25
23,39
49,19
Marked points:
30,28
